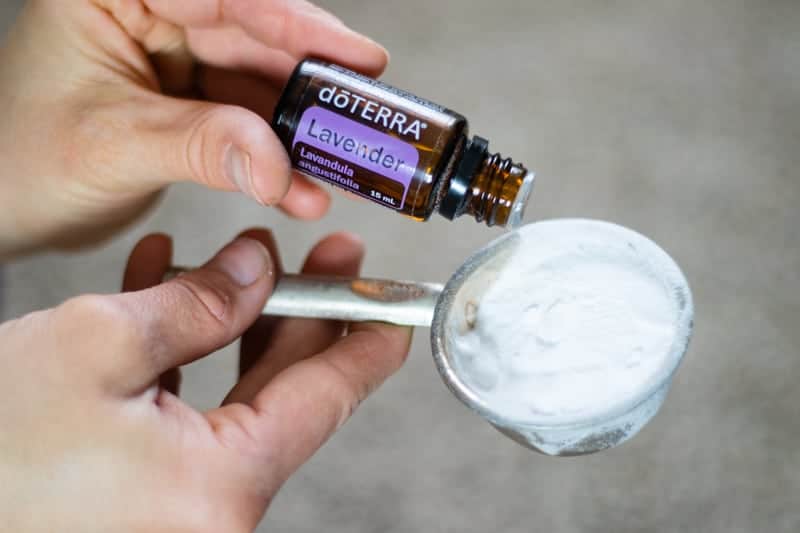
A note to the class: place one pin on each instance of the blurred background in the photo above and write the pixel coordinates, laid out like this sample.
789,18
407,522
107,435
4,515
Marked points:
680,119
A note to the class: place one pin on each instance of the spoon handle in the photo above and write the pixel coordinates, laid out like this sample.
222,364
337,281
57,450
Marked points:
350,299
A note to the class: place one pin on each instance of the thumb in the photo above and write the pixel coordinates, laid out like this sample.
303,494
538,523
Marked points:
220,146
140,335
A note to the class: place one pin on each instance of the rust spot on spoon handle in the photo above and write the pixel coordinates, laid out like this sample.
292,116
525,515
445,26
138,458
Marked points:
387,290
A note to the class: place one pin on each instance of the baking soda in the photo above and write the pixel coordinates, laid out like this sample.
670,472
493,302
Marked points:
582,320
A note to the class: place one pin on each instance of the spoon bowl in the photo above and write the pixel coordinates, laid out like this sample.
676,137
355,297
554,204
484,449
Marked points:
455,312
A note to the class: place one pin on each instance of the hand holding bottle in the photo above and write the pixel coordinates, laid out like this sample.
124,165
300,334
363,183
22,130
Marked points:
101,108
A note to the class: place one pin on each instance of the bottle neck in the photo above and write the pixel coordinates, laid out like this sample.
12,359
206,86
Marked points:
491,188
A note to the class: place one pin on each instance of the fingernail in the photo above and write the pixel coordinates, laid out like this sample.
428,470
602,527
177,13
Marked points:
244,260
239,171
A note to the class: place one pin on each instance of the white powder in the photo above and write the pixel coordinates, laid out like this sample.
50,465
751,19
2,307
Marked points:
583,319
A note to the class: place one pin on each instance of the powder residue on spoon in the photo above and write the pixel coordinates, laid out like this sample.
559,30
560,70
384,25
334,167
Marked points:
579,322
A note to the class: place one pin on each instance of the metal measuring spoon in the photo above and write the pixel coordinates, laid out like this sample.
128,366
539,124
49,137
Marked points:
446,309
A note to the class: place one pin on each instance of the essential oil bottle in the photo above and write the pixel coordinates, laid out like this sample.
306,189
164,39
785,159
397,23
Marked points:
394,148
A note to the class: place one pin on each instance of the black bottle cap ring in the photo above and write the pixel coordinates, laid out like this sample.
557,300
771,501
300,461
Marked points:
457,195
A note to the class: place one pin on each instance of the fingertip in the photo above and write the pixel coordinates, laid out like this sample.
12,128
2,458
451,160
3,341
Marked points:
148,262
371,58
153,244
233,285
204,309
340,240
305,200
309,31
267,239
337,254
246,261
345,238
380,61
253,159
262,235
362,53
270,179
272,176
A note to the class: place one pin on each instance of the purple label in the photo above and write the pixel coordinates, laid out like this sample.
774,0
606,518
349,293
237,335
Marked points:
358,144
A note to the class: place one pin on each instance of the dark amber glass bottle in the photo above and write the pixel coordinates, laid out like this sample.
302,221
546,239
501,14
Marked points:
394,148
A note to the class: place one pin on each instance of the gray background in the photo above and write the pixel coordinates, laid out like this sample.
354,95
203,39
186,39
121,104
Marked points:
678,118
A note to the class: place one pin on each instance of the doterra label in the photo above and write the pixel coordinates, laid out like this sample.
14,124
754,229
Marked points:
354,156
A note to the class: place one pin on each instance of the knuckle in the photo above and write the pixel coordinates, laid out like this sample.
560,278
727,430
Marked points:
282,29
200,159
153,33
133,16
349,392
92,308
235,432
374,352
109,315
90,127
207,301
384,346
